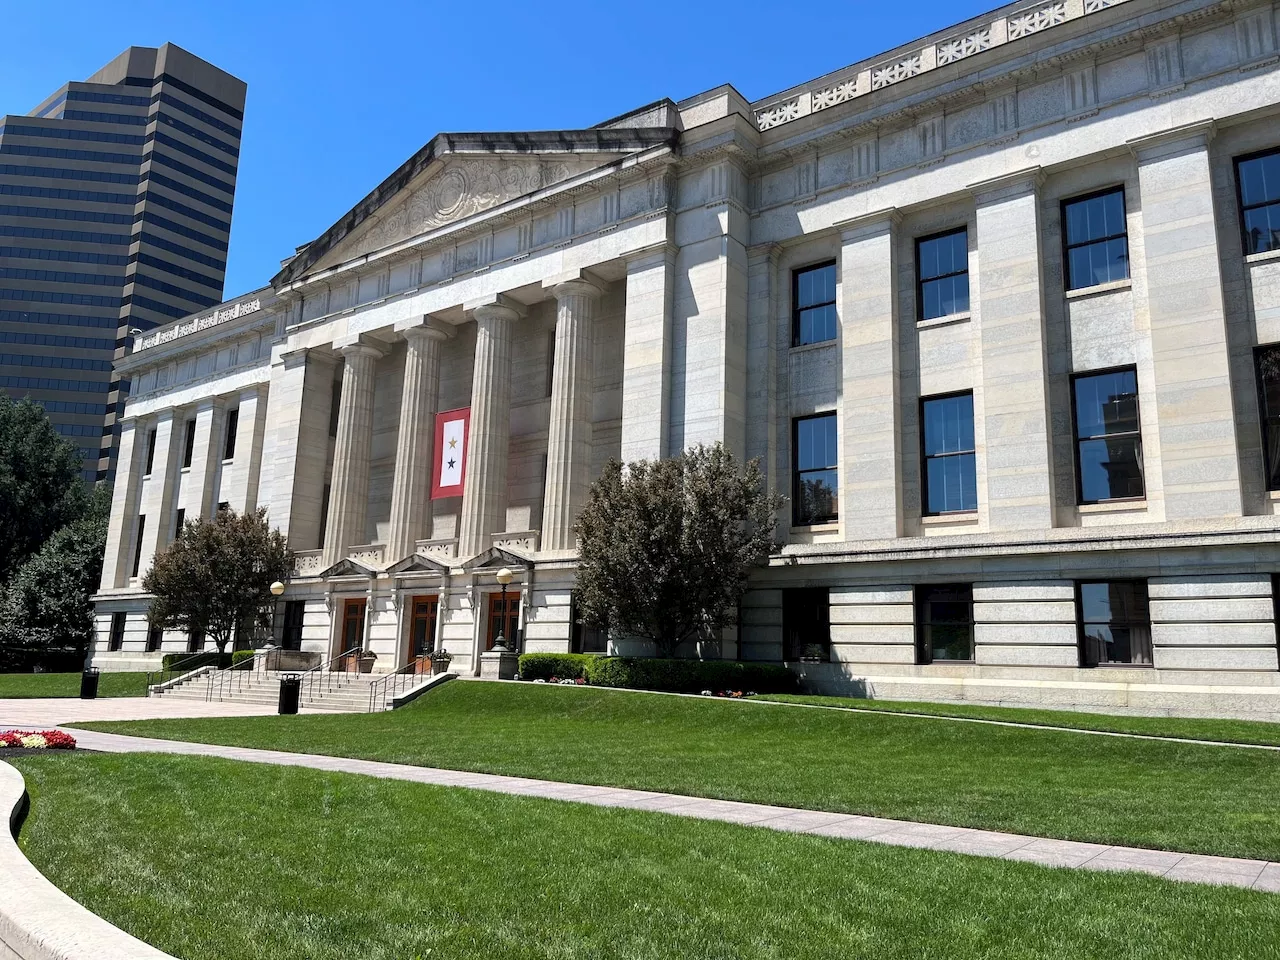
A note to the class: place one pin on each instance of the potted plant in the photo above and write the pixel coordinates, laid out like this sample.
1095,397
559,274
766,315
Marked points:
366,660
439,660
813,653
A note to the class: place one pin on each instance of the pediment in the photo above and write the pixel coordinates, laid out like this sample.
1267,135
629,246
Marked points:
347,567
498,557
458,176
418,563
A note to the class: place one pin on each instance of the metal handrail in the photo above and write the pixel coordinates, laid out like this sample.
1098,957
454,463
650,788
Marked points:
229,678
326,673
382,689
178,669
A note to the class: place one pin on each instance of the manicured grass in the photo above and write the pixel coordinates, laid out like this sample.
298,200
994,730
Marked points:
1188,797
1227,731
217,860
27,685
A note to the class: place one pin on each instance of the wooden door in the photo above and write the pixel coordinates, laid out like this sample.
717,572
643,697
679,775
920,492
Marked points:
353,624
504,619
422,626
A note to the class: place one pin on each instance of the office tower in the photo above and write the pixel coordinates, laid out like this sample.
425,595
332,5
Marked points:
115,211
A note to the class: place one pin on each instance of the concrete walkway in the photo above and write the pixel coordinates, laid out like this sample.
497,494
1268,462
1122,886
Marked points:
51,711
1227,871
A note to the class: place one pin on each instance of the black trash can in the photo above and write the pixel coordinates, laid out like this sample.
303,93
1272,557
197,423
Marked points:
89,684
290,688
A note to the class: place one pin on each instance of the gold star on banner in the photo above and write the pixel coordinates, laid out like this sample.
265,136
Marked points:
453,442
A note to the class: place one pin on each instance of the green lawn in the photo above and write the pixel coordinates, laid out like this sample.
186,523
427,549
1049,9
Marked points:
1229,731
26,685
1188,797
218,860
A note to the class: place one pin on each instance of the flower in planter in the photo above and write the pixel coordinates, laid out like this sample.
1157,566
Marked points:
581,681
707,693
37,740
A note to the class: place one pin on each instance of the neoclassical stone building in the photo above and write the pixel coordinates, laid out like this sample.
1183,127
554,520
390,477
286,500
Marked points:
998,311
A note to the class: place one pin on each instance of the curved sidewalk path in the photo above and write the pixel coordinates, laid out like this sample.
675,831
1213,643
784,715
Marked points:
1227,871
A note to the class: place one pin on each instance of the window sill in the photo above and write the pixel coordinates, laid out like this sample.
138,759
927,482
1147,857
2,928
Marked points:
831,527
816,345
937,663
1262,257
948,519
1098,289
184,470
1273,494
1113,506
1119,666
228,460
944,321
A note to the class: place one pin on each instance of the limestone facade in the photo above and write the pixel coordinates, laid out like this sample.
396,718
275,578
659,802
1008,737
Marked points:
633,289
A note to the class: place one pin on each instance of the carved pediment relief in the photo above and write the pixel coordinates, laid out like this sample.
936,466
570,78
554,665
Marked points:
464,187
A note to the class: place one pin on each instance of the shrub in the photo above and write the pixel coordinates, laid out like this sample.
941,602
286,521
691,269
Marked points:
191,661
565,666
689,676
240,656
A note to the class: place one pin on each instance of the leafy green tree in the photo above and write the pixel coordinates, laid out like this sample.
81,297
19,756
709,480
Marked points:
217,575
40,485
46,615
666,547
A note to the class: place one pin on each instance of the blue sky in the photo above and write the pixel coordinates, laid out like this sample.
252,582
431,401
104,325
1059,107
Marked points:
340,94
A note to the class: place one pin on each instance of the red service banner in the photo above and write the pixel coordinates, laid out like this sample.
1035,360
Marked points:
451,453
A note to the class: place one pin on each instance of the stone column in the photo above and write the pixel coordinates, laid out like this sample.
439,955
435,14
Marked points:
299,403
411,487
349,489
198,484
130,463
158,492
646,357
240,483
1014,392
569,433
1189,350
484,488
870,406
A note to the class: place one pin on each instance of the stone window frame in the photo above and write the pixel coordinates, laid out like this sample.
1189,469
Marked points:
1081,625
817,613
1241,209
797,519
1076,439
1067,247
925,457
795,300
921,280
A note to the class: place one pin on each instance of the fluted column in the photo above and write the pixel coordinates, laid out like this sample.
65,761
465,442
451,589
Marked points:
349,488
411,487
569,434
484,488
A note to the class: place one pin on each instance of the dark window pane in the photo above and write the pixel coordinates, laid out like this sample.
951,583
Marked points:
1110,469
941,298
818,324
1095,217
817,500
816,286
952,484
1115,622
816,478
816,442
1269,391
940,256
1106,403
814,308
945,618
1260,179
1262,228
948,424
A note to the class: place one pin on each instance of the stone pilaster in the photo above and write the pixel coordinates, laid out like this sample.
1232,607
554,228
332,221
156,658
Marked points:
646,363
1013,402
349,489
871,408
569,433
1199,457
241,477
157,501
299,403
411,486
130,462
199,483
484,488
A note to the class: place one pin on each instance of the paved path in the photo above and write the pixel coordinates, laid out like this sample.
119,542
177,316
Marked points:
51,711
1228,871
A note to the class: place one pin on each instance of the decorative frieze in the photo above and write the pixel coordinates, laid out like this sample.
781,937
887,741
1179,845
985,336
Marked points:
952,50
1040,18
933,140
196,324
1082,93
307,563
1253,36
1164,64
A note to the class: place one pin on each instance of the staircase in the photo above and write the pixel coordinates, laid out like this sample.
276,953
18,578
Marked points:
336,693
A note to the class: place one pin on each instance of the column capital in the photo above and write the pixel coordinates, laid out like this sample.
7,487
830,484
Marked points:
1008,185
1185,136
359,348
496,307
871,224
429,329
574,283
650,256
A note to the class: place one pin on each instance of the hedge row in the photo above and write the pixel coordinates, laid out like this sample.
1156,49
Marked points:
240,656
191,661
671,676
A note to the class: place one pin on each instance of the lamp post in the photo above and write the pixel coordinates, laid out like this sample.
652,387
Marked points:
277,588
504,577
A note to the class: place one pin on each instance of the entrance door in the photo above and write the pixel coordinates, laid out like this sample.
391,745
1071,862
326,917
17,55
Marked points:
422,626
505,620
353,624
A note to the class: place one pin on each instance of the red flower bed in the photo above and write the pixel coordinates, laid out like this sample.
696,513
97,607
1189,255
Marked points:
37,739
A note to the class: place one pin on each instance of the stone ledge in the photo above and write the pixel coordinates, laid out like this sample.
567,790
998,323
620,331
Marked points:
37,920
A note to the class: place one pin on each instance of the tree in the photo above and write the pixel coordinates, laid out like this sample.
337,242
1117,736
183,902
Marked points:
46,615
40,485
666,547
217,576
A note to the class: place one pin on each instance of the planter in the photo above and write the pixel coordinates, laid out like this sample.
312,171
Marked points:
439,666
366,664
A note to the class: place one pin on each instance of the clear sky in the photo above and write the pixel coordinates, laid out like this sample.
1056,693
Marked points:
342,93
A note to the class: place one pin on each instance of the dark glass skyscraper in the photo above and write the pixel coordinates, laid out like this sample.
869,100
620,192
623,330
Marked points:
115,212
